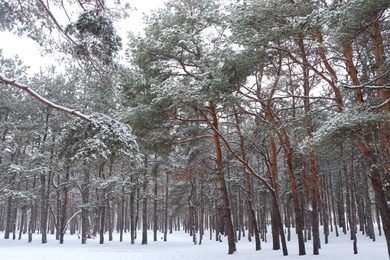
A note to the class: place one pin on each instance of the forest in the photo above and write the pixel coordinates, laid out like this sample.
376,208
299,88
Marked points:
233,119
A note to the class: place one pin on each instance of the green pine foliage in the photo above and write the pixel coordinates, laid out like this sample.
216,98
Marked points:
101,138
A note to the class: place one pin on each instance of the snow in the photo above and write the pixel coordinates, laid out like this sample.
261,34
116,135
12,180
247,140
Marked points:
179,246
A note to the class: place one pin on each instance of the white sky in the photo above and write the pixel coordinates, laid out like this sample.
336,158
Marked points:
28,50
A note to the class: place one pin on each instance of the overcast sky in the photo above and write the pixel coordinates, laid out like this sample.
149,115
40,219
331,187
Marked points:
27,49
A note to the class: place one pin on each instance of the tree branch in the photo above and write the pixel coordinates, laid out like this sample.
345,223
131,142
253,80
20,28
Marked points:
61,30
380,105
192,139
31,92
364,86
234,154
369,84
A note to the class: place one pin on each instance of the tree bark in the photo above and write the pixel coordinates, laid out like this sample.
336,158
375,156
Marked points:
122,214
145,207
31,225
85,227
43,208
155,217
248,185
313,171
102,213
289,153
166,216
222,183
352,205
368,209
64,206
8,224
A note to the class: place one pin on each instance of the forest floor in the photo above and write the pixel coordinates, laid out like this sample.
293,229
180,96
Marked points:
179,246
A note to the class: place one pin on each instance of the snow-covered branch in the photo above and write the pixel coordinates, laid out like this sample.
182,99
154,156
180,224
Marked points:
371,83
380,105
14,83
367,87
71,218
192,139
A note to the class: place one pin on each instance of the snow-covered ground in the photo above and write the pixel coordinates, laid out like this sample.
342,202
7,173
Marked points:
179,246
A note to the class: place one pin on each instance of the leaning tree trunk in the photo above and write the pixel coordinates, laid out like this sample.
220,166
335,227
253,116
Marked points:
222,183
227,213
248,185
277,224
289,153
251,211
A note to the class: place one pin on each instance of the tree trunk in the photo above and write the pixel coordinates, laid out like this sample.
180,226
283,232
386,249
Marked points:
9,220
227,213
382,204
64,206
252,215
326,207
22,221
58,208
222,183
333,204
85,227
353,205
43,209
122,215
109,221
31,225
8,224
102,213
276,221
315,208
313,170
132,213
289,153
376,169
166,207
155,226
248,185
145,208
368,210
